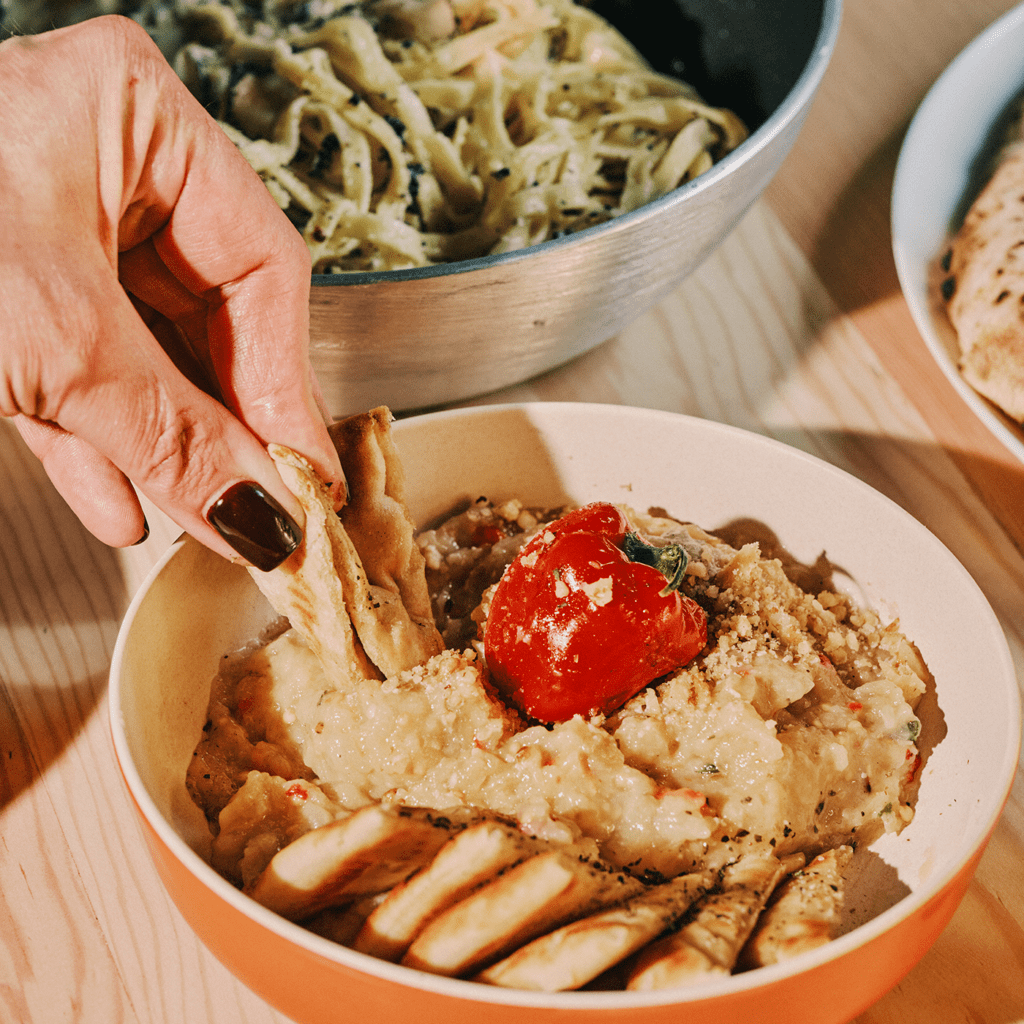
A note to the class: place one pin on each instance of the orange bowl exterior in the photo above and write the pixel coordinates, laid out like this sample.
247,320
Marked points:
194,599
317,990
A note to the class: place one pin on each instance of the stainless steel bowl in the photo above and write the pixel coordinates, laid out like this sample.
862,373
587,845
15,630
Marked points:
419,338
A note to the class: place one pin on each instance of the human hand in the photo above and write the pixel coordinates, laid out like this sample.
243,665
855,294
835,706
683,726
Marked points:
153,299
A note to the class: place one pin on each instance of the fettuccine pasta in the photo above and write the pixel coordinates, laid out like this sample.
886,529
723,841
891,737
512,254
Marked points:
401,133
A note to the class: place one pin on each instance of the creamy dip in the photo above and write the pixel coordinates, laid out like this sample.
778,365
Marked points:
794,729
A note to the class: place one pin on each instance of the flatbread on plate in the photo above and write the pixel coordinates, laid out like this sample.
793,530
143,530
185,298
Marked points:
803,913
984,287
467,861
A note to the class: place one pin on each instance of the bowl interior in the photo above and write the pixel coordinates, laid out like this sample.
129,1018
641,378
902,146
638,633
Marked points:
747,57
944,161
706,472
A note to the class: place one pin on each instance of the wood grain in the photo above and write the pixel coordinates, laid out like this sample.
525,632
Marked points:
794,328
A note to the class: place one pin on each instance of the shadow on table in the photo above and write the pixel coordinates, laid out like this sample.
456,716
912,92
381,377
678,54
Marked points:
62,595
853,256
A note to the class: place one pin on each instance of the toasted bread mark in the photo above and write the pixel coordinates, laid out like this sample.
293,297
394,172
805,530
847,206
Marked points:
576,953
368,852
308,588
803,914
359,599
711,942
466,862
530,899
376,516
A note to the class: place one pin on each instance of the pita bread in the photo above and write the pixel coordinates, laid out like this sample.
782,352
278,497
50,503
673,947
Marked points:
711,942
530,899
375,515
803,914
369,852
578,952
984,287
342,924
307,588
466,862
354,618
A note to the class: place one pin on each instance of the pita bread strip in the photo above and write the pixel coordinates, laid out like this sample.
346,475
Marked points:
464,863
530,899
369,852
342,924
578,952
804,913
306,589
394,638
376,516
328,568
711,942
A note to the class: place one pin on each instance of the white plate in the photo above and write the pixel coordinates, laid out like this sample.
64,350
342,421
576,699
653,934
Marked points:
948,134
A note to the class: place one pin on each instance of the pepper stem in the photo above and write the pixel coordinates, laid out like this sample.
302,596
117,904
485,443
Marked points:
669,560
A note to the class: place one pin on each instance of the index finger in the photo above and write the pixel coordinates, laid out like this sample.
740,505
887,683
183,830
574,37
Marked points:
222,236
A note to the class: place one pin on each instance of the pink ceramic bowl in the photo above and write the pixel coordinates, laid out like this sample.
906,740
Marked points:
195,607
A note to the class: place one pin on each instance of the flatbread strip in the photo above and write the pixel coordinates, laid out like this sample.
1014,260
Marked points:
578,952
368,852
711,942
465,863
376,516
984,289
803,914
345,594
535,897
307,589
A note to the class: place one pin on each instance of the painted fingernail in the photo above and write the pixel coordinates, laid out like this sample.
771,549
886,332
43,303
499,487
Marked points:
145,532
255,525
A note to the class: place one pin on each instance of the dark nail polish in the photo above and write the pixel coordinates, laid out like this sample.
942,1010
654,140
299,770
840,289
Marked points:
255,525
145,532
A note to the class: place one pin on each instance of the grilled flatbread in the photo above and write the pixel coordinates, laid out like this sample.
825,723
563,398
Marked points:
711,942
307,589
984,287
342,924
530,899
578,952
803,913
376,516
359,598
465,863
369,852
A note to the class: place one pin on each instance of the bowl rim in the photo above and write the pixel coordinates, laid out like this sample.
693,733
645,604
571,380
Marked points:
799,96
909,237
465,990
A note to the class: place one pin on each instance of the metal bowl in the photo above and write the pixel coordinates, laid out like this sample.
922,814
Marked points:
418,338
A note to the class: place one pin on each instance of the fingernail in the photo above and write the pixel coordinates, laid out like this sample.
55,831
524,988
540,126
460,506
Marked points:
145,532
255,525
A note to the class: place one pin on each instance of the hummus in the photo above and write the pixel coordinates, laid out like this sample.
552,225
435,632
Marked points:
794,729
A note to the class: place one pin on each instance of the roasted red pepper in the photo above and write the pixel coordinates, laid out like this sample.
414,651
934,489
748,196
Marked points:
587,616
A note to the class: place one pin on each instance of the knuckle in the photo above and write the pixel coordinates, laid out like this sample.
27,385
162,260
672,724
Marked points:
177,453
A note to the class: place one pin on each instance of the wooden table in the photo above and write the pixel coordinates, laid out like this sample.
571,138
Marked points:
831,363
